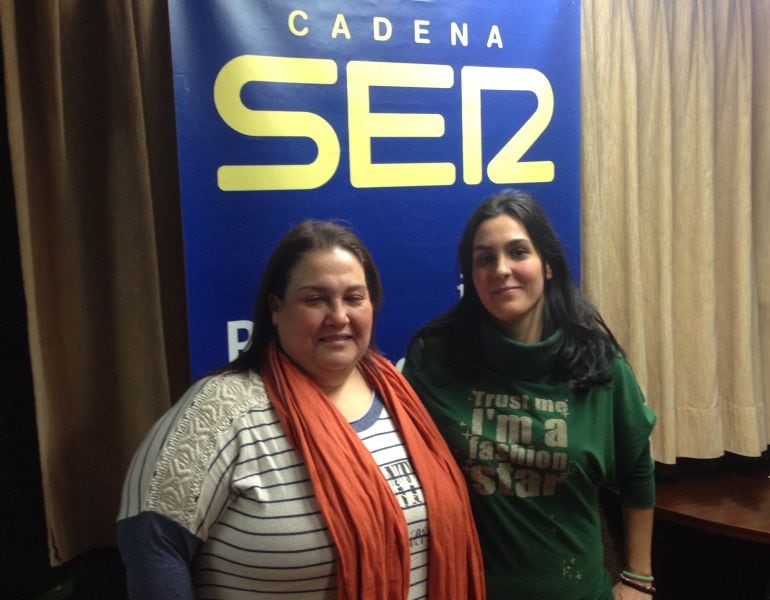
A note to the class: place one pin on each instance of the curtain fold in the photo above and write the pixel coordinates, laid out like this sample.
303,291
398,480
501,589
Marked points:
760,186
675,211
93,152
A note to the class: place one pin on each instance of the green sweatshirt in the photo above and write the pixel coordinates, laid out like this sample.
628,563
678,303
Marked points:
533,453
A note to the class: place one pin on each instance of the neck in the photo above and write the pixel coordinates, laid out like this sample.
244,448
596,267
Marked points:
350,396
528,329
530,335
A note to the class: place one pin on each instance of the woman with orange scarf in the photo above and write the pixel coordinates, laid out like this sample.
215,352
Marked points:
307,468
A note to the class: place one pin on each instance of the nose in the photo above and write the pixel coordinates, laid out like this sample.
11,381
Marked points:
502,268
337,314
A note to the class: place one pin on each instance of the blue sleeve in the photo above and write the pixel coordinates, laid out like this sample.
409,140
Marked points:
157,553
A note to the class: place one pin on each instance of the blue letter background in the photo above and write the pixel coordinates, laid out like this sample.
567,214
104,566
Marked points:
412,231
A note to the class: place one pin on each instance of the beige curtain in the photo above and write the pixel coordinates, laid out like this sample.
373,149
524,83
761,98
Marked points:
93,152
676,210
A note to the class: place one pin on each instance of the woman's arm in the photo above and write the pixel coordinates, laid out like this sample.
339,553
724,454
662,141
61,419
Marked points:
157,553
637,526
634,421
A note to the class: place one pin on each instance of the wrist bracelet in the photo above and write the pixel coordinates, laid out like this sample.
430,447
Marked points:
637,577
637,585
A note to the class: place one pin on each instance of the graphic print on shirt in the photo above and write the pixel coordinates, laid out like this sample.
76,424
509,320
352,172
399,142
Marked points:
403,481
517,445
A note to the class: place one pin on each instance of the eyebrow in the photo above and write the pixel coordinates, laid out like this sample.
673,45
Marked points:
508,243
321,288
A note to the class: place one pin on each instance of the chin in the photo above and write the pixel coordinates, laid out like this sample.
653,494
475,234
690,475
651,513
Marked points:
338,363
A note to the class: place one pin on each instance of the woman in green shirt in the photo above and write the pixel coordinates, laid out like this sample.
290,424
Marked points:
535,397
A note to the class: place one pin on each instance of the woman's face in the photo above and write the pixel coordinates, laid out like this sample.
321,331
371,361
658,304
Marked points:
324,321
509,277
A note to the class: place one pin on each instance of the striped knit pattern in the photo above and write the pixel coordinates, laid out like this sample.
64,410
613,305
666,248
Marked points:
219,465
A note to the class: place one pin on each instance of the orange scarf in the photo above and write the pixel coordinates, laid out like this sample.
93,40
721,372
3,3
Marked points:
362,513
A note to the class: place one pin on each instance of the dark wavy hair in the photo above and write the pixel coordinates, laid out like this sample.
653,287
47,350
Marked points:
301,239
586,347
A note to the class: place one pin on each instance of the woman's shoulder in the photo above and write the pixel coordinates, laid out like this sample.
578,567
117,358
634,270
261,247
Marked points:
230,389
436,359
427,349
175,455
627,390
215,403
218,396
620,370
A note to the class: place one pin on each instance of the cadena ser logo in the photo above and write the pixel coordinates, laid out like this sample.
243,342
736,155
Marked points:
505,167
365,124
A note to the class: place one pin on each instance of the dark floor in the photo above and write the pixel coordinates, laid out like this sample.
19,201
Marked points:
97,575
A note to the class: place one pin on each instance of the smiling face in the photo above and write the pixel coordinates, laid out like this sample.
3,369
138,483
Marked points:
324,321
509,277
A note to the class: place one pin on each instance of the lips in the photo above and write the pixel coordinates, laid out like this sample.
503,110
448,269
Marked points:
507,289
340,337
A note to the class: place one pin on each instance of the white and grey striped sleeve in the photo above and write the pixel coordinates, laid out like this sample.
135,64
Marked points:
171,470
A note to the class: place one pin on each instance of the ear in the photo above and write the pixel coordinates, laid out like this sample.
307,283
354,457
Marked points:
548,272
273,304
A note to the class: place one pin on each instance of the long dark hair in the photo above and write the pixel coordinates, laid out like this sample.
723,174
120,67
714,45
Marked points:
308,235
586,347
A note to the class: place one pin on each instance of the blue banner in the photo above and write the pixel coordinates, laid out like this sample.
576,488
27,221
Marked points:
396,118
